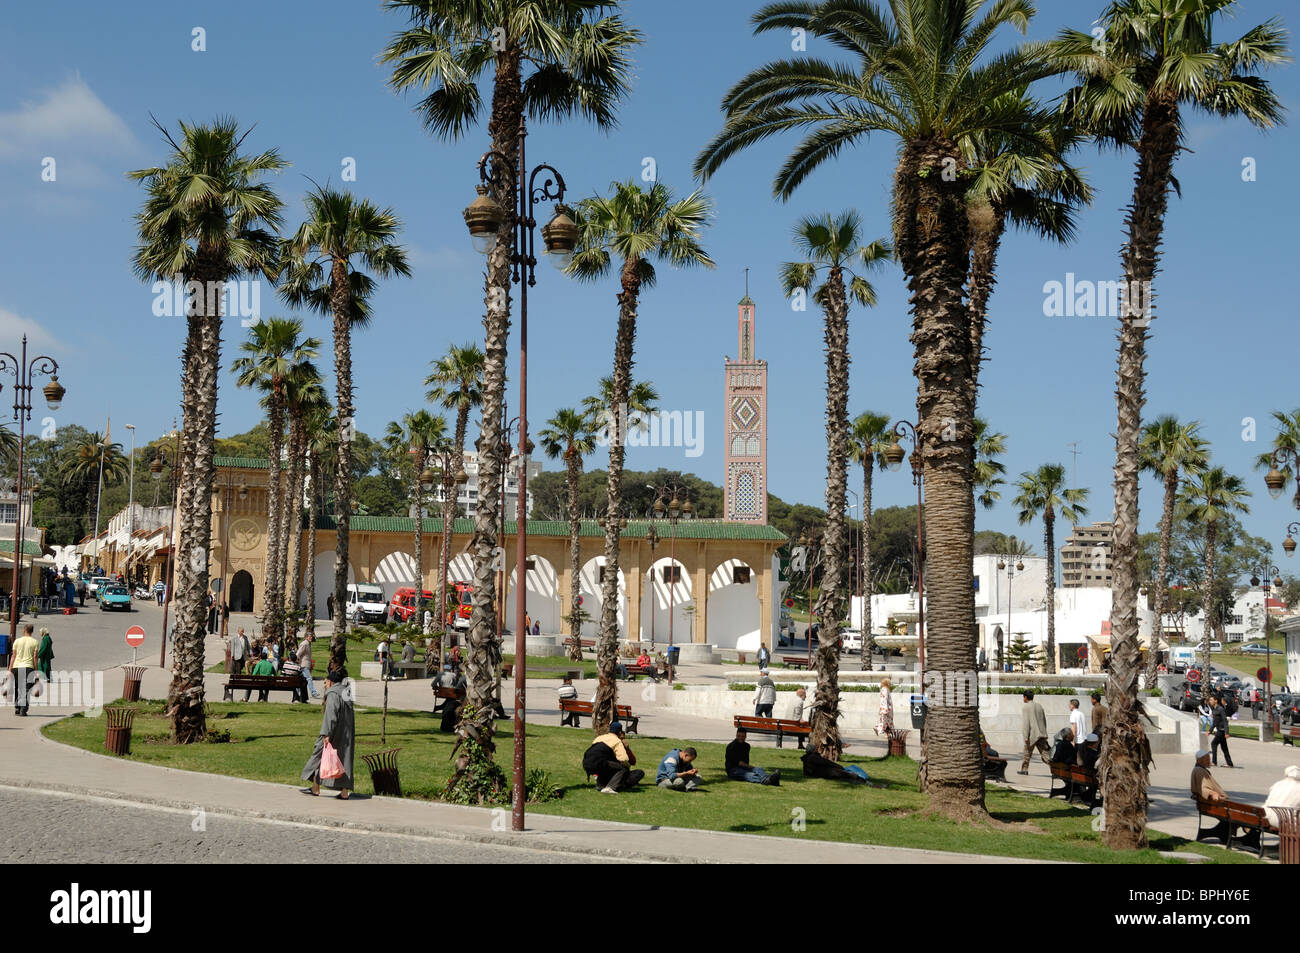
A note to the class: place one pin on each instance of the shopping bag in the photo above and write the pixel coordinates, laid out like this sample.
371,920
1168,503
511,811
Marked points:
330,765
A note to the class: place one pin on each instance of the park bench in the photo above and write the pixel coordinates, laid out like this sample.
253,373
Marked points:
1289,734
781,727
1076,780
995,767
571,706
588,643
507,669
794,661
447,694
420,668
633,670
1231,815
264,683
569,672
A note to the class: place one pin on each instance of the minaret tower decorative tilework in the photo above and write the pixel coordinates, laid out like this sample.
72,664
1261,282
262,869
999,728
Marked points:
745,483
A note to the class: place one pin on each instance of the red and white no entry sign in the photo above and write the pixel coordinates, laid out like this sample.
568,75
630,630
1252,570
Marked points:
135,636
1193,675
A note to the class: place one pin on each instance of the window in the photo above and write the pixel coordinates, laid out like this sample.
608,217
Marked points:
672,574
8,512
530,565
740,575
600,576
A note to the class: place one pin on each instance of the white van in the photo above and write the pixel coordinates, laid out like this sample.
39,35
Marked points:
366,603
1181,656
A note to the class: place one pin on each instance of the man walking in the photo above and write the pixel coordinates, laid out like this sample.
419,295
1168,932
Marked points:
305,662
1033,723
765,696
1077,724
22,662
1099,713
1219,724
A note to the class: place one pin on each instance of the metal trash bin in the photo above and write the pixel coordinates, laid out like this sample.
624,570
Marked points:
117,737
1288,848
131,683
383,772
673,654
918,711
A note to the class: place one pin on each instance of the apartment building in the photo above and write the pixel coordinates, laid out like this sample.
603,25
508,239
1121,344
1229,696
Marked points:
1086,556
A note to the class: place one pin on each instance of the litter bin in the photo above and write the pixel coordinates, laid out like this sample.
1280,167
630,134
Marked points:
674,652
1288,848
117,737
898,743
383,772
131,683
918,711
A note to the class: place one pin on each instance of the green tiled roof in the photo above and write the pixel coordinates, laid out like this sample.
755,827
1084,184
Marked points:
29,548
686,529
245,463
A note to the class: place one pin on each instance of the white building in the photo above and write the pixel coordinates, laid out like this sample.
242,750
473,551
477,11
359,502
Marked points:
467,498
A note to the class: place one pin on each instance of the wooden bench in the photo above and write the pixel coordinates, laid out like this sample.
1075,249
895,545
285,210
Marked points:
1075,780
264,683
794,661
507,669
781,727
567,672
1289,734
447,694
571,706
1231,815
633,670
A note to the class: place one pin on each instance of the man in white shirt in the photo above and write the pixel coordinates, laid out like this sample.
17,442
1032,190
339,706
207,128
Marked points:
1077,723
566,691
385,665
304,660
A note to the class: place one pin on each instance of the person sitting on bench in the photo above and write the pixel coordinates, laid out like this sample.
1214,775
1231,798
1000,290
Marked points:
1284,793
1089,751
1203,784
1063,753
739,768
567,692
646,662
264,667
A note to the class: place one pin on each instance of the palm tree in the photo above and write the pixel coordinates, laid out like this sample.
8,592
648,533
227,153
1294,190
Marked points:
571,434
208,218
1208,498
869,435
549,60
1152,59
92,459
1042,493
274,347
8,446
988,468
305,398
340,228
1170,450
1287,439
642,404
628,229
410,442
918,77
833,245
457,384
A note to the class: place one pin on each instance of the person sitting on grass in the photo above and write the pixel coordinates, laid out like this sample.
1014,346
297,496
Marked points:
264,666
739,768
677,770
612,762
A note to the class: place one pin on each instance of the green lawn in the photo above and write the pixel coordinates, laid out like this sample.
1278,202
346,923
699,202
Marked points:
270,742
1248,665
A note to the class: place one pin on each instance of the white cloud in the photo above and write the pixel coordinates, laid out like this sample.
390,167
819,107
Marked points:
14,326
68,122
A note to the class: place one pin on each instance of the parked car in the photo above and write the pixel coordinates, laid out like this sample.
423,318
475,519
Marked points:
1255,648
1190,700
114,597
96,584
1216,646
851,640
365,603
404,606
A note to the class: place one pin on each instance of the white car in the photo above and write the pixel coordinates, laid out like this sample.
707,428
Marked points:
851,640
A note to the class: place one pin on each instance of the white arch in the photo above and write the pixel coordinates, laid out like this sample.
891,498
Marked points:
733,612
325,563
460,568
591,589
543,597
665,612
395,570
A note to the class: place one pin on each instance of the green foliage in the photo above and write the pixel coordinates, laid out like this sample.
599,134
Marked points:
478,779
1024,656
538,787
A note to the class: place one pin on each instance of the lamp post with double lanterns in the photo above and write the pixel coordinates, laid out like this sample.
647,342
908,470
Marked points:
893,461
1005,563
808,542
428,478
679,507
1276,478
484,217
173,459
1266,577
24,372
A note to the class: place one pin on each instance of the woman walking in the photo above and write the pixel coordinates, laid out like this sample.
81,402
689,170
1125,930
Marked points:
45,653
337,729
885,720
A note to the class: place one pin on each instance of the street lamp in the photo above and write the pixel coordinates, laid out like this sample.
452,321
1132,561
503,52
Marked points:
130,512
808,542
652,538
173,459
24,372
484,218
1276,478
1004,562
1271,576
679,507
1288,544
893,461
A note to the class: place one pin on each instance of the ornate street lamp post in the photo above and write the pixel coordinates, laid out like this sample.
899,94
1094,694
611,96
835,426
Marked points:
1005,562
24,372
677,508
484,218
894,460
1266,577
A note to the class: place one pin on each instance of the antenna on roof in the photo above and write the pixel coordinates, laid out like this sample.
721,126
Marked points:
746,282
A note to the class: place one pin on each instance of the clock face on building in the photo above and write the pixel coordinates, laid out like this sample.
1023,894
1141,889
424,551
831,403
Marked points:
245,534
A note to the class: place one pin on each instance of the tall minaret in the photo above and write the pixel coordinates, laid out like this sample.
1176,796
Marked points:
745,410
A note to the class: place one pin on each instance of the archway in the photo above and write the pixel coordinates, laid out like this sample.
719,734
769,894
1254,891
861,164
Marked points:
733,609
325,563
591,585
395,570
543,597
667,609
241,592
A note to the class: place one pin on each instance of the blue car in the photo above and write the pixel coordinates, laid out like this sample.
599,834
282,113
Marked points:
114,597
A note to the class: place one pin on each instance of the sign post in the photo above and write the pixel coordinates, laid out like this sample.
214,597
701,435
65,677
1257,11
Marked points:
135,639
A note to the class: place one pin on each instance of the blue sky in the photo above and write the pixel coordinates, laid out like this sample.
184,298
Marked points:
80,81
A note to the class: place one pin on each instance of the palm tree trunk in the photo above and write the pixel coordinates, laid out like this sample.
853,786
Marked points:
868,643
607,648
987,223
200,371
573,467
340,299
417,492
831,600
293,524
930,228
314,497
483,658
1124,771
1162,579
273,603
450,509
1049,540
